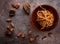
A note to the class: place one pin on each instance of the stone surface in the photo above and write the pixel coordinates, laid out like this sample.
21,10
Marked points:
22,22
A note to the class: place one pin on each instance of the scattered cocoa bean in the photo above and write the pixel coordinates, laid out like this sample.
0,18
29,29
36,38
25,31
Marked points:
44,38
8,20
12,25
23,35
16,5
50,35
10,29
7,32
19,34
26,7
29,32
31,39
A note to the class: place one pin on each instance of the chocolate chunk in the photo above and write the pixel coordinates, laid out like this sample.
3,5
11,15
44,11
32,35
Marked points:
26,7
16,5
12,13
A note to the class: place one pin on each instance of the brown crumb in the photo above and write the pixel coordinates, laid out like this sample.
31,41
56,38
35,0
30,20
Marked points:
12,13
44,38
19,34
8,20
31,39
16,5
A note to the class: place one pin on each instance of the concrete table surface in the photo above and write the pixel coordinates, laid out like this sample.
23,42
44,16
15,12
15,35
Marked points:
23,24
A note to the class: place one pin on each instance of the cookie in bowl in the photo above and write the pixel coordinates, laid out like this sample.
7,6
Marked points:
44,18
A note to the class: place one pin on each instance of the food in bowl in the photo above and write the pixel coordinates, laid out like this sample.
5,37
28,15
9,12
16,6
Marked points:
45,18
47,23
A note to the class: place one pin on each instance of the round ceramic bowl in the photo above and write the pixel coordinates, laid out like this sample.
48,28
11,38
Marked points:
36,25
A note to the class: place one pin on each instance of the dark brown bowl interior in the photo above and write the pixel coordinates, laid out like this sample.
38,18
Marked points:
37,26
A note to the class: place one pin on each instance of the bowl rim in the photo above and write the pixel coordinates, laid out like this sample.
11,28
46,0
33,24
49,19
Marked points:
33,23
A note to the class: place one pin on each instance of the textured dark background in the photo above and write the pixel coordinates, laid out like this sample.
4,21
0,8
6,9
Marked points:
23,24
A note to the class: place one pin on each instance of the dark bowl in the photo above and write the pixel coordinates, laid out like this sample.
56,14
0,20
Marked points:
36,25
